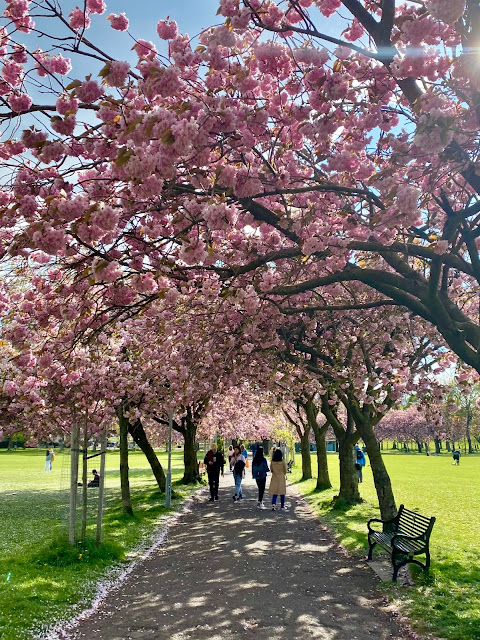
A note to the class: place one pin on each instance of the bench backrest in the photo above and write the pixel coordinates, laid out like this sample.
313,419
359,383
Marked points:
414,524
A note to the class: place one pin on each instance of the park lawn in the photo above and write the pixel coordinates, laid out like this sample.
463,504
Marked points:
42,580
447,603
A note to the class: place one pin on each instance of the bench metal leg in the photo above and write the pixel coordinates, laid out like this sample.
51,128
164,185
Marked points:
370,550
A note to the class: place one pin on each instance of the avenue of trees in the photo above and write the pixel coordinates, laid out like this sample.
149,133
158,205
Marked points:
278,221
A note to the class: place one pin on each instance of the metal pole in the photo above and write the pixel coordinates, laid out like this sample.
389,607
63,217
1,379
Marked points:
168,480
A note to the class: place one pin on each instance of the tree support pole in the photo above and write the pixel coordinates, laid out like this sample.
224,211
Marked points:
101,487
73,482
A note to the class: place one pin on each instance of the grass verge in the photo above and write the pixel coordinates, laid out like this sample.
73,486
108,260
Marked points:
447,601
42,578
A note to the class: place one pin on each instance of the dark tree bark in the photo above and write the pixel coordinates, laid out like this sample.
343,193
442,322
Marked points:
140,437
383,485
306,457
347,437
189,431
124,472
302,428
323,477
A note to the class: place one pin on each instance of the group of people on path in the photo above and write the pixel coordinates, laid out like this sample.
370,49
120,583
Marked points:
238,461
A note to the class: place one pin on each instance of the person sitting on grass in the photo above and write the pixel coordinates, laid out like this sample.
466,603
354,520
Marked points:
95,482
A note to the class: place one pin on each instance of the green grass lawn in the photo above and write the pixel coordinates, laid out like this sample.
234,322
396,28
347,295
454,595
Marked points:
42,580
446,603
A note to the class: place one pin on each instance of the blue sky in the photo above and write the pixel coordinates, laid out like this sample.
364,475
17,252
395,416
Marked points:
192,16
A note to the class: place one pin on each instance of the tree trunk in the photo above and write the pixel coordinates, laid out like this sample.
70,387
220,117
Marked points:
346,439
467,433
419,445
140,437
124,479
447,445
383,485
323,478
348,474
437,446
306,457
190,452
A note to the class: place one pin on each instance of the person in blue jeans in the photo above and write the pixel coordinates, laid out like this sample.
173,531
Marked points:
259,473
238,466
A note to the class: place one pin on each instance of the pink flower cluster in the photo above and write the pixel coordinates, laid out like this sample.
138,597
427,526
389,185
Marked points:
144,283
145,50
167,30
104,271
78,19
119,22
448,11
13,73
96,6
46,64
88,91
66,103
328,7
50,240
20,102
117,74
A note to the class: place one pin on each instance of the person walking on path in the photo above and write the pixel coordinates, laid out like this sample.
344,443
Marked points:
238,462
298,583
278,483
456,457
214,463
49,458
359,462
259,473
229,455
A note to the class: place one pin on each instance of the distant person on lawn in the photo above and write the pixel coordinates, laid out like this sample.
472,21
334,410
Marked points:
278,483
49,458
214,463
456,456
95,481
359,462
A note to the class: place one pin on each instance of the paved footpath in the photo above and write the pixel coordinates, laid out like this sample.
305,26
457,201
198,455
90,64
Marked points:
230,570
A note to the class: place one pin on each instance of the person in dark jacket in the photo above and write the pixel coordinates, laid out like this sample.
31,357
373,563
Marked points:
95,481
259,473
214,463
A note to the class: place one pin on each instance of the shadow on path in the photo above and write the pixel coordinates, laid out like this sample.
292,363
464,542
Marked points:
231,570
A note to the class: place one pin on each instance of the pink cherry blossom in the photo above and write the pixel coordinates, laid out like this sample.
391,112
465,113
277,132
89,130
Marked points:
119,22
96,6
88,91
78,19
167,30
20,102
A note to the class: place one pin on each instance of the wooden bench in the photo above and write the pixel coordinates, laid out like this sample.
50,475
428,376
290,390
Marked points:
405,536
